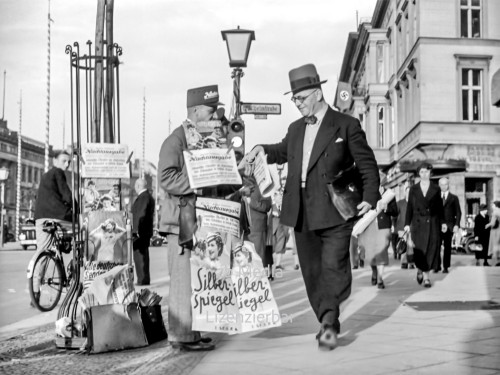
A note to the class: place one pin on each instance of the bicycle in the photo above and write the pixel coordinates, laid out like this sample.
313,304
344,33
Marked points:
46,273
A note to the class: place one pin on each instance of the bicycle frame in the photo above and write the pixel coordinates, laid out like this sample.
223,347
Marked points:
54,249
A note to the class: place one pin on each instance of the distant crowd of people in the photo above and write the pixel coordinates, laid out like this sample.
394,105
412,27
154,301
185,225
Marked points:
428,217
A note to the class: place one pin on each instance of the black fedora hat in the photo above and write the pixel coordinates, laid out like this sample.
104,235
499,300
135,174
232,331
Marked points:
304,77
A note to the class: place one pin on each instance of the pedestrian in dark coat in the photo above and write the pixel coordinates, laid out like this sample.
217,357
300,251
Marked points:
259,208
482,234
143,211
54,201
317,147
452,215
424,219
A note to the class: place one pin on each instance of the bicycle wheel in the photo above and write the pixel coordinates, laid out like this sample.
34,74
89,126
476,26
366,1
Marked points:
47,282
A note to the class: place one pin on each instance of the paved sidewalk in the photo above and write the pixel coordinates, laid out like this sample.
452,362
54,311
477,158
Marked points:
451,328
459,335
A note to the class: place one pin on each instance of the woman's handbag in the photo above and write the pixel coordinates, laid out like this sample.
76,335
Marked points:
476,246
346,192
187,220
402,245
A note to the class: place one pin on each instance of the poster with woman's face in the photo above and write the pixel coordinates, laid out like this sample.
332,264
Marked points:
107,244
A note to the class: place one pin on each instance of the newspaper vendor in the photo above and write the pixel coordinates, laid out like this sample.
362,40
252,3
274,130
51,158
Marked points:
202,104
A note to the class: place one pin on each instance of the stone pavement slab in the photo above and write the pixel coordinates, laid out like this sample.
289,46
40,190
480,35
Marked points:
380,336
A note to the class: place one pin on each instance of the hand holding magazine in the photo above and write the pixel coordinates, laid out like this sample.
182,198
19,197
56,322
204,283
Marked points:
367,218
266,179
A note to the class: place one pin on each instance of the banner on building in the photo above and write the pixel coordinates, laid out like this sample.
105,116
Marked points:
343,98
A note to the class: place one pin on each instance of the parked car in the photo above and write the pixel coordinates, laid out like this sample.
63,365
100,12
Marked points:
462,242
27,237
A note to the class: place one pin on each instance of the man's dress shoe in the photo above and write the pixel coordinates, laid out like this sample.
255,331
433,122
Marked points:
327,338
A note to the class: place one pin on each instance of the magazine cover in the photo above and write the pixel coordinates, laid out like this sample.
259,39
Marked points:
101,194
107,244
230,289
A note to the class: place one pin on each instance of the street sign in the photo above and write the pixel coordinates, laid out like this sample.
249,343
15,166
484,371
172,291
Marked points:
261,108
260,117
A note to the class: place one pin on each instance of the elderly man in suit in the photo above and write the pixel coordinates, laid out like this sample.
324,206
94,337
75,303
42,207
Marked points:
143,211
452,216
318,147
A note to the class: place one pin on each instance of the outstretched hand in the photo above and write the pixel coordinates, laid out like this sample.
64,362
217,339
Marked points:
246,165
363,208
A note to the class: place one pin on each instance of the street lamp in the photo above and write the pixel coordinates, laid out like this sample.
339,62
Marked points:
4,175
238,43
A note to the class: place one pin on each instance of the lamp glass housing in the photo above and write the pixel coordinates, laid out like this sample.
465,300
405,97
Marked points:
238,43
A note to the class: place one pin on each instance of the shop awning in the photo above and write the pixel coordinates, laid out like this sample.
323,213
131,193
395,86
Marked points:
440,167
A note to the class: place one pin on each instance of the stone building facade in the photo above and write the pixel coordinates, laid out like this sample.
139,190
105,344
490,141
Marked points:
32,168
420,75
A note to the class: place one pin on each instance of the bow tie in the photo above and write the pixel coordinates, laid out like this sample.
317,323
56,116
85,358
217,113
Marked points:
311,120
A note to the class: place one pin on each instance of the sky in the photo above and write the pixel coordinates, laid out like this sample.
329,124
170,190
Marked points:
170,46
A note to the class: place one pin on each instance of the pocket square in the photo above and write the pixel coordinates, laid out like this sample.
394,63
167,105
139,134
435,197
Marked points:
339,140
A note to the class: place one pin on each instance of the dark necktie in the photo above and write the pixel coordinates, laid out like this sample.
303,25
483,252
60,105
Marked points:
311,120
444,199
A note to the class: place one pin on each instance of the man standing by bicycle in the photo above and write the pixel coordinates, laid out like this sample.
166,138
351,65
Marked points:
54,200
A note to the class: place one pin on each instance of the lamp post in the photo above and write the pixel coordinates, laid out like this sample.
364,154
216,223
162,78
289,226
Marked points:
4,175
238,43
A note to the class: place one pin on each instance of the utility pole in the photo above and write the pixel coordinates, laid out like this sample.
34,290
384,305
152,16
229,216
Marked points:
104,81
4,81
19,165
143,162
47,116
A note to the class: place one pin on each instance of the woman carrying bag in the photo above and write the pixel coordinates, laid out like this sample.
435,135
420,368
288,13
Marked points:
424,220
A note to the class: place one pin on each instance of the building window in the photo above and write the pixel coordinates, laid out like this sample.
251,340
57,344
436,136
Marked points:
380,63
30,174
380,128
470,18
472,94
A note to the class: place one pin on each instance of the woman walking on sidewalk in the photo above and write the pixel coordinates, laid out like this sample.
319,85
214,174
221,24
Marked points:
494,224
375,240
482,234
424,218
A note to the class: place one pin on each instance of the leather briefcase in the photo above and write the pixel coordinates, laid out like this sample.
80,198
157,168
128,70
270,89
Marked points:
152,320
346,192
114,327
